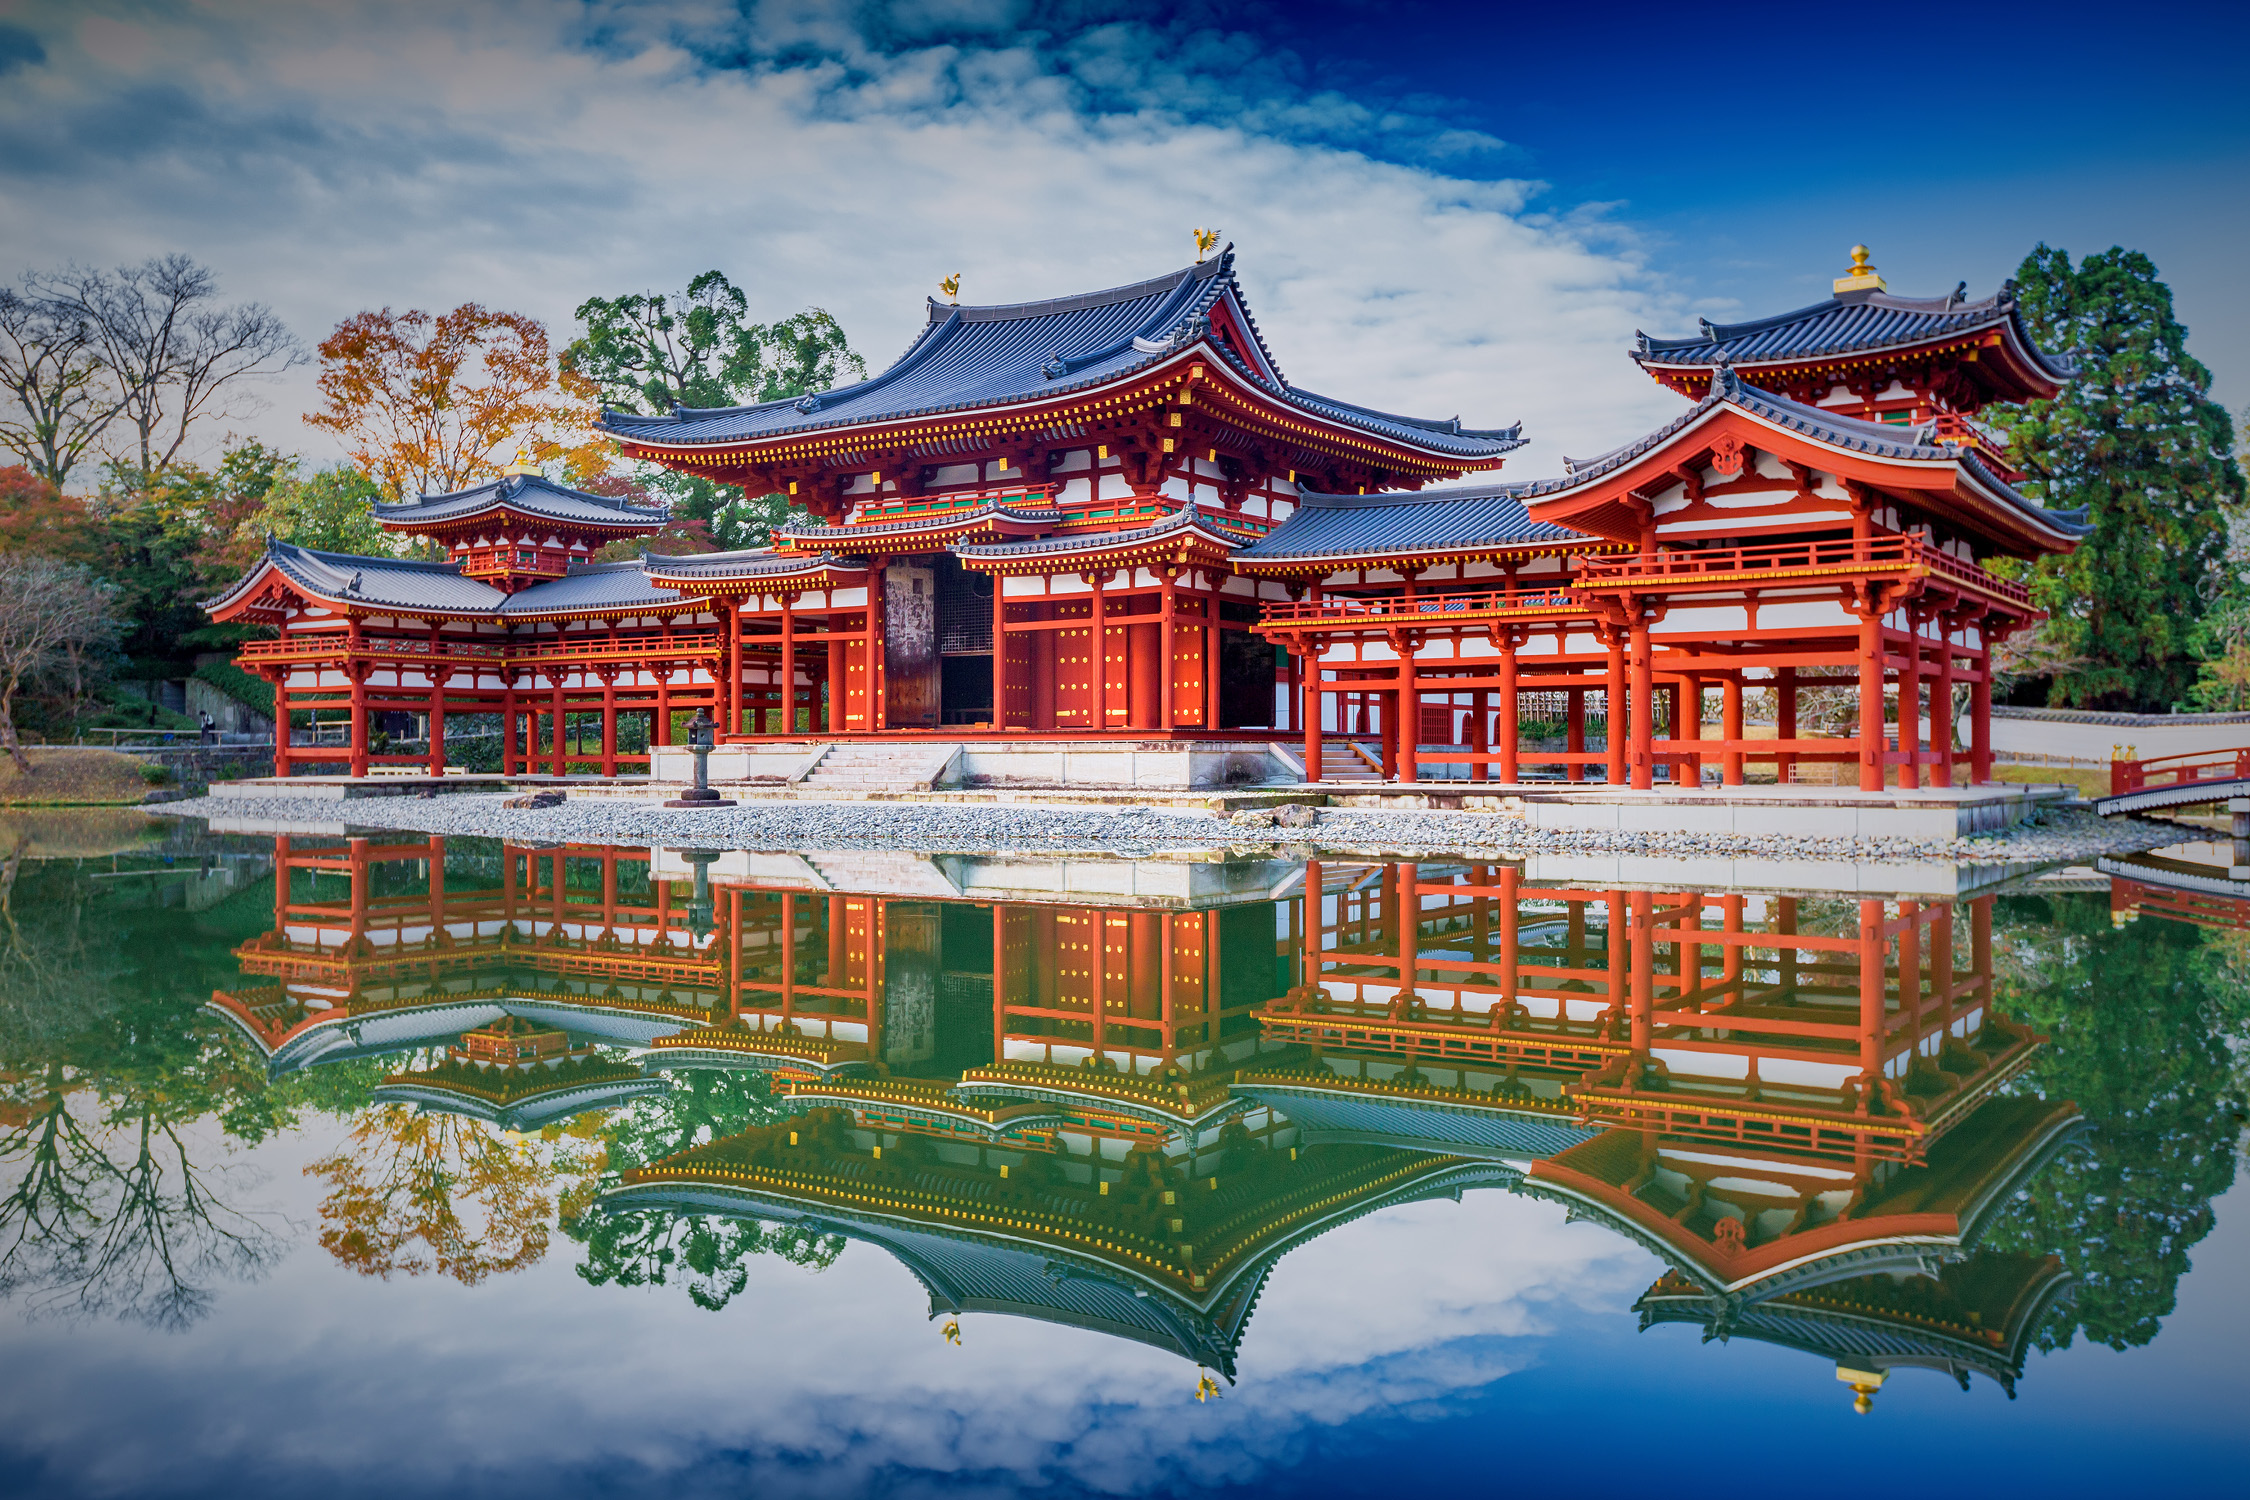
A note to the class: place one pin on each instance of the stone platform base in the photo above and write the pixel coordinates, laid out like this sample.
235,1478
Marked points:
1920,813
908,764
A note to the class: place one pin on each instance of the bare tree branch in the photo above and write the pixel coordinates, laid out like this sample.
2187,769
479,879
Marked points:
49,364
174,356
51,614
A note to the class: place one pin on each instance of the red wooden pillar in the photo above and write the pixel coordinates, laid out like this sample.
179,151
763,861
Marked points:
1214,652
1641,697
788,603
1980,717
878,712
1000,965
355,672
1613,739
839,679
730,704
1409,878
280,681
1873,1012
1309,689
1575,733
1785,722
1511,929
1730,729
561,713
1409,712
1941,708
1510,718
1167,647
1910,705
609,722
1871,755
1100,675
1642,966
999,665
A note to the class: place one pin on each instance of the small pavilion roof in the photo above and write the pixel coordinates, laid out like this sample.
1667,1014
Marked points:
1396,525
1854,323
969,357
526,494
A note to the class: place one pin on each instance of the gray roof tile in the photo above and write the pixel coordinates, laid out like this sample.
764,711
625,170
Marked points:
376,582
969,357
1465,516
525,492
1847,323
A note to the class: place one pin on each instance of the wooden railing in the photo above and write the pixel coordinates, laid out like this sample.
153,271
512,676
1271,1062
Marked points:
1874,554
2178,770
1420,607
1953,430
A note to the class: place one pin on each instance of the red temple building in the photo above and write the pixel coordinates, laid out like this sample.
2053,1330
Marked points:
1055,531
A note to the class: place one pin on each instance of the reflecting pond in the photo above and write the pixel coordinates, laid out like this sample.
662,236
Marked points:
380,1163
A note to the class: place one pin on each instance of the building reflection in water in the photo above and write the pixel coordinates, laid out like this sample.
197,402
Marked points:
1113,1094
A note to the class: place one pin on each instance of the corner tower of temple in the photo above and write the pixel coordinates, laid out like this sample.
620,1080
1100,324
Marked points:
1867,353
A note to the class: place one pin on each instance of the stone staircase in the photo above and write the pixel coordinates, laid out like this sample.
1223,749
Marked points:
855,767
1345,760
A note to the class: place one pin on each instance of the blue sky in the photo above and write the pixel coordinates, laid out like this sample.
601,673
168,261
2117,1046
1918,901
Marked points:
1440,208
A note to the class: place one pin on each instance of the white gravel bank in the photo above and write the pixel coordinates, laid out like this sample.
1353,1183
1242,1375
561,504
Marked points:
2071,835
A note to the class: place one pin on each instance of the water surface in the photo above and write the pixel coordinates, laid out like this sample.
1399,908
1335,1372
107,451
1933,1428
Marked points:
382,1164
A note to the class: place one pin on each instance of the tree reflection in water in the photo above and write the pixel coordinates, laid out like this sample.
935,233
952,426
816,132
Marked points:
417,1192
2146,1024
706,1253
102,1075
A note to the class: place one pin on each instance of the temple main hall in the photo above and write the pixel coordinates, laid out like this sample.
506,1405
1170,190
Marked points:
1103,540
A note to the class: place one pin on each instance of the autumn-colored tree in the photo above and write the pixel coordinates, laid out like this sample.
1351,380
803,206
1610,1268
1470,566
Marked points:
34,518
397,1194
432,402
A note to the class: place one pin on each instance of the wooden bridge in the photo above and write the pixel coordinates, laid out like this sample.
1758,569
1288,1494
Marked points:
2137,786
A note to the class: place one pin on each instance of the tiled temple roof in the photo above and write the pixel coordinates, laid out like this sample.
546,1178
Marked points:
1406,523
1188,518
373,582
528,493
1846,324
755,562
968,357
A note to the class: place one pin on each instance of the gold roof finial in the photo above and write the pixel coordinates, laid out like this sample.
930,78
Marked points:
951,286
523,463
1864,1384
1862,277
1205,241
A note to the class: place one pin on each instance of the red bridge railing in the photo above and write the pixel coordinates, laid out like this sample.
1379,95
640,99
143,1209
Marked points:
2177,770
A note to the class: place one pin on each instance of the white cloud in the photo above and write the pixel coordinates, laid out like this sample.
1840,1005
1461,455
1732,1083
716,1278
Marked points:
320,1380
529,153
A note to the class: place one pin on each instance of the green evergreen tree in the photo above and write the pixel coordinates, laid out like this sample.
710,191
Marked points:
648,352
2136,440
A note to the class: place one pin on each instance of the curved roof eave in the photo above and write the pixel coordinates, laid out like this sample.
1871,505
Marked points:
1187,295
